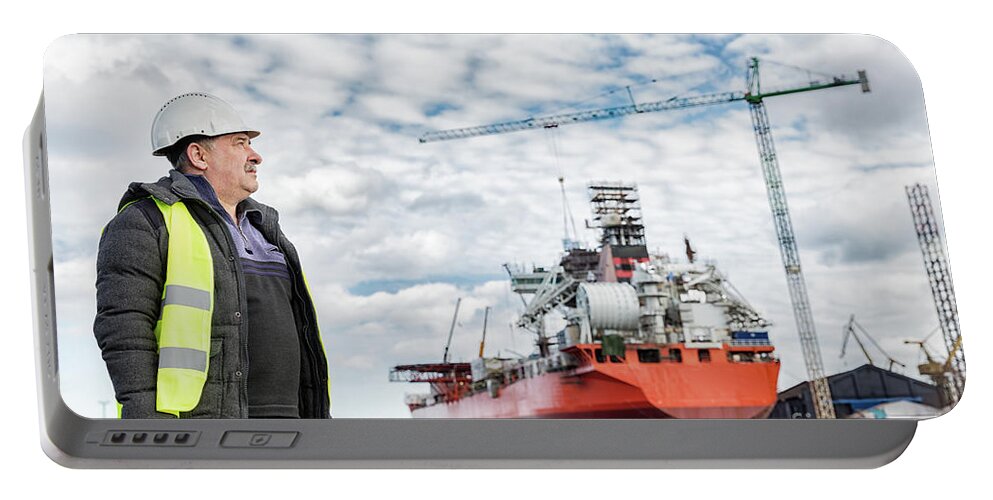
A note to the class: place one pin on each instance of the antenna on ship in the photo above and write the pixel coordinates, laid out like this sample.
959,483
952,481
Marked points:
690,253
444,359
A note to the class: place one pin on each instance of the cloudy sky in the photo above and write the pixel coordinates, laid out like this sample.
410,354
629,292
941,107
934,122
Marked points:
392,232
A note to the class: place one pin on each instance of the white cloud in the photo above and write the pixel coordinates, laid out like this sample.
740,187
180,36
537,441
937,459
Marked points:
334,189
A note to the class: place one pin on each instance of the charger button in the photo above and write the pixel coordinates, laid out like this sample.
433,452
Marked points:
244,439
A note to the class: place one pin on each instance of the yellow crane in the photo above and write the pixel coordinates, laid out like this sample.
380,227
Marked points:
941,373
482,343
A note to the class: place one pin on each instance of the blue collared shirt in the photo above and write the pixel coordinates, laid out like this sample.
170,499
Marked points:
258,256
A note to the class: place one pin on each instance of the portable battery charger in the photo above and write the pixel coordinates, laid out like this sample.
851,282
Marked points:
430,186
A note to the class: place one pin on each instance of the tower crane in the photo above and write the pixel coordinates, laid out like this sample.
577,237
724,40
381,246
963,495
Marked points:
755,97
952,376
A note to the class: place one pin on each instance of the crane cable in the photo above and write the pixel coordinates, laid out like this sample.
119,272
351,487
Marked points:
567,218
808,71
648,81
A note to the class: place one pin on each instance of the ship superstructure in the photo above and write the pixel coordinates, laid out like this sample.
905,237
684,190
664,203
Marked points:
644,336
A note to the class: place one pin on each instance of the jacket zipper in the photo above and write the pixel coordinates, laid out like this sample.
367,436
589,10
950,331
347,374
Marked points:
242,233
242,329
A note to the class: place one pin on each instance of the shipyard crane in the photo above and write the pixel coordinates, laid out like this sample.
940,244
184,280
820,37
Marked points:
936,370
850,331
940,277
755,97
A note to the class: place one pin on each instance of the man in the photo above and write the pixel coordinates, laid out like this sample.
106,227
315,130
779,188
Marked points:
202,306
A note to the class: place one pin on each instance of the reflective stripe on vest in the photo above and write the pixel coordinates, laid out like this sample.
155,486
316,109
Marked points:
183,329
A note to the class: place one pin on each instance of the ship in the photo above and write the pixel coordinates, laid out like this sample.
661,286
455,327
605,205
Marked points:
644,336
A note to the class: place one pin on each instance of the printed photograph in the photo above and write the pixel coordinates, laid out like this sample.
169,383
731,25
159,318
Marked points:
497,226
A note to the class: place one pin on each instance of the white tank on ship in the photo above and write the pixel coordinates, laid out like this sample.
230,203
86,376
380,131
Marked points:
609,306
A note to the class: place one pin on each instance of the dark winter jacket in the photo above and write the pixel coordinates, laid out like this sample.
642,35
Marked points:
131,268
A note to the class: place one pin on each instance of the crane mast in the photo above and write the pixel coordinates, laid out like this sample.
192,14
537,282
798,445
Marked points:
754,96
940,278
791,261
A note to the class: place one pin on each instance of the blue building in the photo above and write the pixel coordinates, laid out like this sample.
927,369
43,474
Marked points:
858,389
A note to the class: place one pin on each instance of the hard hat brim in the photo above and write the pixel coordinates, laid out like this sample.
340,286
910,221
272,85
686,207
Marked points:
163,151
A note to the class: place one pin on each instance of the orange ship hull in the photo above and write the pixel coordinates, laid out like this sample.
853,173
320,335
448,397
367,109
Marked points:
695,386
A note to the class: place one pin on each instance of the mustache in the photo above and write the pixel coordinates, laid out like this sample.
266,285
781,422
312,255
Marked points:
251,168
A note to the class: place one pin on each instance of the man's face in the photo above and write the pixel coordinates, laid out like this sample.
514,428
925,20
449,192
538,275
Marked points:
232,165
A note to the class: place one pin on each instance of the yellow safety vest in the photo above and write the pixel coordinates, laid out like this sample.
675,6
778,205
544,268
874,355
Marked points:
183,329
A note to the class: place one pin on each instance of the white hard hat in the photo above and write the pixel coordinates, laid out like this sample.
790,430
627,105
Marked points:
195,113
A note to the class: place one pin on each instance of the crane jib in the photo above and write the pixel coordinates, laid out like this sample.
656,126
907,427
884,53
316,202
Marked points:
554,121
837,82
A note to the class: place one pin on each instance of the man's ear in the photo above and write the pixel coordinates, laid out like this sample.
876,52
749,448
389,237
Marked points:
198,155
